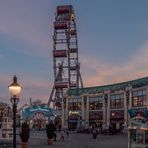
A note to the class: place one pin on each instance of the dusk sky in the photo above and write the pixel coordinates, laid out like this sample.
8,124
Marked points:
112,40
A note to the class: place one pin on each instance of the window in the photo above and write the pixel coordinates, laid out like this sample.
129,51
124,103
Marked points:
95,103
74,106
117,101
139,98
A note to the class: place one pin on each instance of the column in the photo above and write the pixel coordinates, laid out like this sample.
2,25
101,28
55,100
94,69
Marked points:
125,110
87,111
108,111
147,97
128,99
84,110
130,104
104,113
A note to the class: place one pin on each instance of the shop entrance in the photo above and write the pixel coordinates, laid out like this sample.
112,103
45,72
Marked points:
38,121
74,121
95,118
117,120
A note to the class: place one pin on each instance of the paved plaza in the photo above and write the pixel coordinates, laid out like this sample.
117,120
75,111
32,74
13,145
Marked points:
75,140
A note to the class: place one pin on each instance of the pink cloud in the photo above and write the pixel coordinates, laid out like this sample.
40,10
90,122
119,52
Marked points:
36,88
94,73
100,73
31,88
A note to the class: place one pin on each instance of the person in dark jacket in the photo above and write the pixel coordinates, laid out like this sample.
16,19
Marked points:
94,133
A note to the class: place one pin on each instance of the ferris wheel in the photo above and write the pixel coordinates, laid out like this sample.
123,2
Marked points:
66,64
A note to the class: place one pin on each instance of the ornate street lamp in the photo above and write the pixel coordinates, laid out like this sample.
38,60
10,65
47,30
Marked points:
106,101
15,90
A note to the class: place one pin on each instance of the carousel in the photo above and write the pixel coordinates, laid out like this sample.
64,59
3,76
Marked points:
138,129
37,116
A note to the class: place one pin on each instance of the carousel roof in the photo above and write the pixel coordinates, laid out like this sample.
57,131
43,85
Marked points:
29,111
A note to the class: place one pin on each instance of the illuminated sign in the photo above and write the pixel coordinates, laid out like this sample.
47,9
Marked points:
74,112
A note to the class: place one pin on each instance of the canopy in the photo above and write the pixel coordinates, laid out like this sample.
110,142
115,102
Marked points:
29,111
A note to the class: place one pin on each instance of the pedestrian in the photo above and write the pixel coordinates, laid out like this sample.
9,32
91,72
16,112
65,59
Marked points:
122,128
55,136
94,133
60,128
62,135
67,132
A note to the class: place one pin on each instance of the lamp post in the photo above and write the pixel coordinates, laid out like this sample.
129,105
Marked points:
106,100
15,90
85,103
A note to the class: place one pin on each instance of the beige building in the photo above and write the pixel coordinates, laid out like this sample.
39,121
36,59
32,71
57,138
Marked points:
104,105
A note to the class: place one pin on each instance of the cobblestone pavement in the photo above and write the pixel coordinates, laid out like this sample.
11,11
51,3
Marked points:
75,140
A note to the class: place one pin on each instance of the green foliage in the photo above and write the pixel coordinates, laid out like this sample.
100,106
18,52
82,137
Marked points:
50,130
25,132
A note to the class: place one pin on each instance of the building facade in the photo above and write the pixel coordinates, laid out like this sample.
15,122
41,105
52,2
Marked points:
5,111
104,105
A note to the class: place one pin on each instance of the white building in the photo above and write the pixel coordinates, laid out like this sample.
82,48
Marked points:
6,131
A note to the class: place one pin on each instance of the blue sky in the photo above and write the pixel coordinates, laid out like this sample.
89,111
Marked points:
112,38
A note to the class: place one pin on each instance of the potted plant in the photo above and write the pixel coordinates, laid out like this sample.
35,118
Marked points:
50,132
24,134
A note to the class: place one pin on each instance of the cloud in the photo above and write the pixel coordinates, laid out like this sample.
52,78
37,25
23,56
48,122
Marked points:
96,72
31,88
36,89
24,26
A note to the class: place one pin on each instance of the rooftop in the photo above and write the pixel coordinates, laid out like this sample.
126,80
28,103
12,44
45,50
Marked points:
111,87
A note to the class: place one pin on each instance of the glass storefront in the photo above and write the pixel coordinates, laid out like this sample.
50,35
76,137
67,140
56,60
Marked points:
74,114
95,118
74,121
117,119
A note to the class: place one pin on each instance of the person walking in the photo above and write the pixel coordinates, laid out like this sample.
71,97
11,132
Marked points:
67,132
55,136
62,135
94,133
